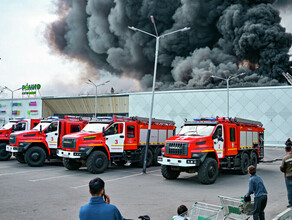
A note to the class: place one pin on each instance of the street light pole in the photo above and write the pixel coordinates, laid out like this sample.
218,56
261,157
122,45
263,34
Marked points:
12,91
95,101
227,79
227,82
157,37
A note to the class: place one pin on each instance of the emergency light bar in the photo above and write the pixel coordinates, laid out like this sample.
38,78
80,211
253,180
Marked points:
19,118
72,116
206,119
107,118
53,117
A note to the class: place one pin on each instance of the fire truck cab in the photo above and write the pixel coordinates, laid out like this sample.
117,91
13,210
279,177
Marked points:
18,124
116,140
206,145
41,143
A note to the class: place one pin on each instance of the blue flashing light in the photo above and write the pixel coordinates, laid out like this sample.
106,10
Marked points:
204,119
210,119
108,118
19,118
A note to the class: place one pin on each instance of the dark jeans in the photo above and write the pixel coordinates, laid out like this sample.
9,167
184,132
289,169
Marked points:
288,182
259,207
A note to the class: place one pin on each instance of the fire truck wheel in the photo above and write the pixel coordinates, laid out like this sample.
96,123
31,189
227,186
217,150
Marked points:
35,156
157,152
20,157
149,158
4,155
208,171
97,162
244,163
71,164
168,173
253,159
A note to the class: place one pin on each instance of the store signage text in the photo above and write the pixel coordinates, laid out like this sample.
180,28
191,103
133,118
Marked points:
30,89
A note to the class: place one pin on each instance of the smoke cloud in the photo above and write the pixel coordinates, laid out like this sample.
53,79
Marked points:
222,35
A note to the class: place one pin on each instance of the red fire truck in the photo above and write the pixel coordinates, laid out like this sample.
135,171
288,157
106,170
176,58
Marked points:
119,140
206,145
41,143
18,124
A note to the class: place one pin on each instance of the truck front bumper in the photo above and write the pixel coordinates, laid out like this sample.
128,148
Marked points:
71,154
14,149
178,162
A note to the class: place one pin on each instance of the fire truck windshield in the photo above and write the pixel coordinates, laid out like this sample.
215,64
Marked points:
43,124
94,127
196,130
8,125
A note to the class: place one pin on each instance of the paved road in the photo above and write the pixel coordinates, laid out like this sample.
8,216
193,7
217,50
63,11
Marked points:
52,192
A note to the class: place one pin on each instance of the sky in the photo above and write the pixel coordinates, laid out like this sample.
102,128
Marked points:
26,57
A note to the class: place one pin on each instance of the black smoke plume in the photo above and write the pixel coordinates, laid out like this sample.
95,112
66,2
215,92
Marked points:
223,34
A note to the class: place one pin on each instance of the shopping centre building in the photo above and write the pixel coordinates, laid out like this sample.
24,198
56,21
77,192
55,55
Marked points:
270,105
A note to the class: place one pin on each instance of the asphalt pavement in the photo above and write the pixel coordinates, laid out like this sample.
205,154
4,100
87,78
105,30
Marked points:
53,192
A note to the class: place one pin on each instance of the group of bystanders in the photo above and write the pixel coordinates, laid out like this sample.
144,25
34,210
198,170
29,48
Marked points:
99,207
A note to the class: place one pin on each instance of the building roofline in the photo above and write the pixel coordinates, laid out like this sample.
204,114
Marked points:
83,96
214,90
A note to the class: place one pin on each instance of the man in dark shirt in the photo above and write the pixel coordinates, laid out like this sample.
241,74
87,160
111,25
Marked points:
288,142
99,207
256,186
286,168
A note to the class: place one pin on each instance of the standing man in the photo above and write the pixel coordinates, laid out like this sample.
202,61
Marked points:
288,142
256,186
286,168
99,207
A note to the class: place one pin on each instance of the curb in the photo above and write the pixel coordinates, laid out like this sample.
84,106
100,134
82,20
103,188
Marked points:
285,215
271,161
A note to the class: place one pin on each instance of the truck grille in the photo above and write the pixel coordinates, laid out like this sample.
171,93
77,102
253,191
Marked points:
69,143
12,139
176,148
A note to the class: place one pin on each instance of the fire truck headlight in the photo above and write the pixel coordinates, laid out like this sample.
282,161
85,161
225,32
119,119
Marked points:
192,162
84,149
159,158
23,144
197,155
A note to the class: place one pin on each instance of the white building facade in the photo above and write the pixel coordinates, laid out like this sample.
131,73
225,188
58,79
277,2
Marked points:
20,108
270,105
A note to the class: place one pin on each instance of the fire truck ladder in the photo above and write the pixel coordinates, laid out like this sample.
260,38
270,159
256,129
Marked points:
142,119
288,77
74,118
246,121
122,118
